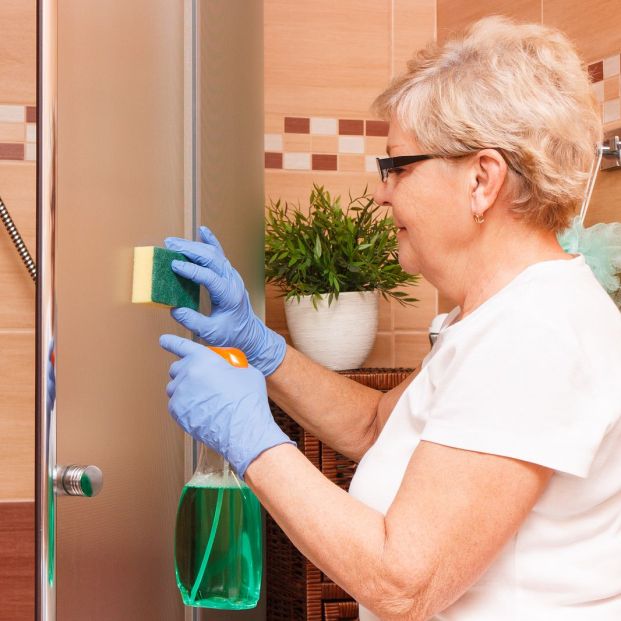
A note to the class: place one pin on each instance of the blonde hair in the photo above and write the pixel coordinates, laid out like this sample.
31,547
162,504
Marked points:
520,88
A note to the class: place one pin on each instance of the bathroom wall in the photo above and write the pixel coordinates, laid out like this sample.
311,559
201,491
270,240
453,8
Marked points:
325,62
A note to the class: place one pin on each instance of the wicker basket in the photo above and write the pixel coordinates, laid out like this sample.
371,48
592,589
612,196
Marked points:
296,590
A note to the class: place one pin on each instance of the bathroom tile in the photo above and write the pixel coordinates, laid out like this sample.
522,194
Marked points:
30,153
18,51
376,128
12,132
419,316
274,309
385,322
18,191
323,162
31,114
31,132
324,127
410,348
351,144
12,114
325,58
612,111
297,125
611,88
351,127
324,144
273,142
375,145
593,26
273,160
17,415
296,161
455,15
414,25
382,354
370,163
351,163
296,142
11,151
605,203
597,88
611,64
273,123
596,72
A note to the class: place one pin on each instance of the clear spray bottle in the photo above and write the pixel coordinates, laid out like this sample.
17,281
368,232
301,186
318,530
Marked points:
218,544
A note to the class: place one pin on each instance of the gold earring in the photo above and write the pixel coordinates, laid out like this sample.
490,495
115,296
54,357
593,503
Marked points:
478,219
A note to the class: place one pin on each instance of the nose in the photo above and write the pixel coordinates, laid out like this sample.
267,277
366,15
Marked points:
382,194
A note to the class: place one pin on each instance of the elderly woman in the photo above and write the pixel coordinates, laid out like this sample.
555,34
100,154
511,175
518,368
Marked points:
489,485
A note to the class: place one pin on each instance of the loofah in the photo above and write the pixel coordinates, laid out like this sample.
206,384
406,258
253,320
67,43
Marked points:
600,245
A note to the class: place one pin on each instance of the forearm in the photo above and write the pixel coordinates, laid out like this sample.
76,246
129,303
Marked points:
344,538
339,411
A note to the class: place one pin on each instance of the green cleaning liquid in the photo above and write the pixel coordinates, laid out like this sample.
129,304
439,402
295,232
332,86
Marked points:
218,548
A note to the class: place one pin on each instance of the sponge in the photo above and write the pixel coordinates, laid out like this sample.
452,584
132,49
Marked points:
156,283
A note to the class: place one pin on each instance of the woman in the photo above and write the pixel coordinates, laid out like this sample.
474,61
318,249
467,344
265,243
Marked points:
488,486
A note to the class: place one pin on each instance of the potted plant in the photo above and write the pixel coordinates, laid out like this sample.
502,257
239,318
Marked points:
332,264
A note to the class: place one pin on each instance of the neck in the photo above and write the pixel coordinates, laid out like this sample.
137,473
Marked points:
493,260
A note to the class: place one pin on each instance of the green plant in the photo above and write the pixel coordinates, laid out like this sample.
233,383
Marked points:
331,250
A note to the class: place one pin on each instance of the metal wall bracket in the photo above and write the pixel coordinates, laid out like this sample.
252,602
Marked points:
611,151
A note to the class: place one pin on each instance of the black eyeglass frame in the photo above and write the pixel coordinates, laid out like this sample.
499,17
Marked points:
386,164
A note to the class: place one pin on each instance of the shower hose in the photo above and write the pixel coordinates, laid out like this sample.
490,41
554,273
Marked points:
17,240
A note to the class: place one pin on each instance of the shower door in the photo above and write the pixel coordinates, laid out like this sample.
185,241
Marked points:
146,118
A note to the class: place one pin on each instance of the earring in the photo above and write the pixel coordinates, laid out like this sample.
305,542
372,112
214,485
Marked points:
478,218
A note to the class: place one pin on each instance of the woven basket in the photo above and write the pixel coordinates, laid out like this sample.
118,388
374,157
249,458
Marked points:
296,590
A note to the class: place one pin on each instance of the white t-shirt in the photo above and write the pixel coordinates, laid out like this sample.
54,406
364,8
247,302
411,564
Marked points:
533,373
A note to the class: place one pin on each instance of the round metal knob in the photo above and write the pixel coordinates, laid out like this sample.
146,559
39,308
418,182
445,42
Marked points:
78,480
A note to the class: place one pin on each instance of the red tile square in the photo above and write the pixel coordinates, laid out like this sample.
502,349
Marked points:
11,151
273,160
376,128
351,127
31,114
298,125
322,161
596,71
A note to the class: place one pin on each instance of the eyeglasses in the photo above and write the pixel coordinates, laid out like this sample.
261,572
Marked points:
387,164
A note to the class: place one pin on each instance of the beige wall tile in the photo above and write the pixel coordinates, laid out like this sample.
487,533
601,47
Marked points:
324,144
605,203
385,320
296,143
411,348
454,15
350,163
414,25
324,58
275,309
18,191
611,86
273,123
375,145
12,132
382,353
18,51
17,415
593,26
417,317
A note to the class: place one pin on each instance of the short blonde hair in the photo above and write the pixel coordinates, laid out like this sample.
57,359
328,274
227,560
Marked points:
520,88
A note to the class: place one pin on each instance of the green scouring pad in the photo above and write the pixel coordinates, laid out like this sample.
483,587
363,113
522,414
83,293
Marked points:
156,283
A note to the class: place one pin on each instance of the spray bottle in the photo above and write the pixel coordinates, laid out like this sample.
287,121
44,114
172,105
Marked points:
218,545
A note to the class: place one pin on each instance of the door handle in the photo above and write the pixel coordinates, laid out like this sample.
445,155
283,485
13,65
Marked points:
77,480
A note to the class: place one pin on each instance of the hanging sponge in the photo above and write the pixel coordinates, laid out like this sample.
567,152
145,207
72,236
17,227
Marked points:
156,283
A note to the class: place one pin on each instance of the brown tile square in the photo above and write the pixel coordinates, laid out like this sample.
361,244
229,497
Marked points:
376,128
324,162
31,114
273,160
351,127
299,125
611,88
9,151
596,71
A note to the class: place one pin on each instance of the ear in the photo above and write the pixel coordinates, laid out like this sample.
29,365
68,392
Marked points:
488,174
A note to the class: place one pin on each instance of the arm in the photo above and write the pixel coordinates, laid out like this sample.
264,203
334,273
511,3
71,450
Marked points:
343,414
454,512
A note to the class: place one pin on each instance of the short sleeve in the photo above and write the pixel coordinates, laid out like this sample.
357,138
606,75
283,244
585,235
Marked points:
519,388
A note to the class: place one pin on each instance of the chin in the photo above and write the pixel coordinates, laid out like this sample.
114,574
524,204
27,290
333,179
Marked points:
408,263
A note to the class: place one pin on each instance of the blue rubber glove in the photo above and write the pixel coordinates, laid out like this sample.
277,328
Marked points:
232,322
224,407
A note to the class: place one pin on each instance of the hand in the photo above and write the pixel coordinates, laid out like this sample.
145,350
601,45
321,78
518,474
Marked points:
222,406
232,322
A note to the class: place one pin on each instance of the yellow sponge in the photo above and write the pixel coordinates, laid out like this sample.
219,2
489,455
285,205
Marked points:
156,283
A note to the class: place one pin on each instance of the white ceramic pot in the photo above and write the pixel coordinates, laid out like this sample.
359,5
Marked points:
339,336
